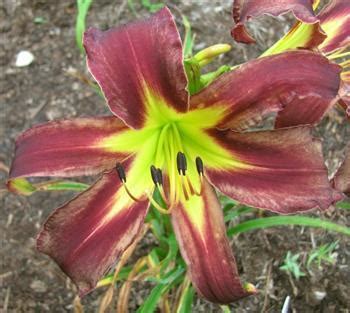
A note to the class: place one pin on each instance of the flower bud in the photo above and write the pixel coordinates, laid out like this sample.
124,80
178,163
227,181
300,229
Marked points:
207,55
20,186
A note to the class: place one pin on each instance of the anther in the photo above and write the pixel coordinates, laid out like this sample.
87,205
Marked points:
199,165
121,172
181,163
159,176
154,174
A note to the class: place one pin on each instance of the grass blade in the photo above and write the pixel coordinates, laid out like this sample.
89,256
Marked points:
189,38
237,212
151,7
185,304
83,8
150,304
343,205
298,220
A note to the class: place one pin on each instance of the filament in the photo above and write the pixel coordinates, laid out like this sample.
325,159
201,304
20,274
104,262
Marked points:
339,55
130,194
156,205
345,64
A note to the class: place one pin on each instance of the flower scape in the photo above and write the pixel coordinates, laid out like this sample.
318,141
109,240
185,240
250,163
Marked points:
162,139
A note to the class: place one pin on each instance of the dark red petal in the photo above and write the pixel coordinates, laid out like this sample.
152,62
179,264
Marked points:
131,61
341,179
200,230
87,235
267,85
244,10
66,148
335,21
281,170
344,92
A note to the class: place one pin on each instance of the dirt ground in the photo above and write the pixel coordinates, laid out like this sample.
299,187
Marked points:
47,90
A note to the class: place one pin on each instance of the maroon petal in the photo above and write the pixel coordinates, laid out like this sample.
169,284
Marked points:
66,148
200,230
335,21
244,10
344,92
267,85
281,170
341,179
136,60
87,235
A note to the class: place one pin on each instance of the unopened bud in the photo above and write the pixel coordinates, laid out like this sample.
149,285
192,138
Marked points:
207,55
20,186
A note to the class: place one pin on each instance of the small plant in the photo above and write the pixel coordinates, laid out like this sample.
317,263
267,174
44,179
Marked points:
291,265
323,254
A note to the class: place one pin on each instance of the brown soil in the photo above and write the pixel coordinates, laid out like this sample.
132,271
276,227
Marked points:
46,90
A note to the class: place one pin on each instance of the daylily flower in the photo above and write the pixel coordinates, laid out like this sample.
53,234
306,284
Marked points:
161,138
328,33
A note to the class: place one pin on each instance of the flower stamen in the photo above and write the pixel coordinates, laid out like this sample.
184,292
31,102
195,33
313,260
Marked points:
181,163
122,176
156,205
181,168
157,177
200,170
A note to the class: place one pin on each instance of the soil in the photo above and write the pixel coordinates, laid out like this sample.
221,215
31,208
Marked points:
50,88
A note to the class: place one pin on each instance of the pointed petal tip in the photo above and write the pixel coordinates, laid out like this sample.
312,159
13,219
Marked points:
67,148
132,62
87,235
200,230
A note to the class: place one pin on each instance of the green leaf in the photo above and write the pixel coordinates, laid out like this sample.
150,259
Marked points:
154,256
235,213
122,275
39,20
323,254
172,252
188,42
225,309
193,75
83,8
157,228
186,300
208,78
24,187
292,266
152,7
150,304
343,205
287,220
64,185
131,6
